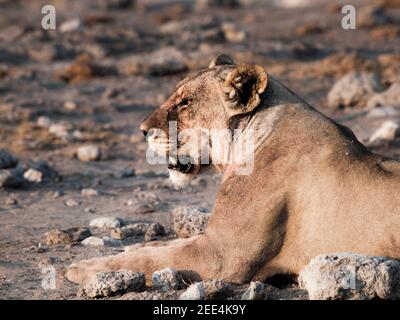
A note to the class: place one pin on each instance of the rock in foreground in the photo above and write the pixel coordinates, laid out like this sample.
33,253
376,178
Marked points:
167,279
7,160
353,90
351,276
105,284
189,221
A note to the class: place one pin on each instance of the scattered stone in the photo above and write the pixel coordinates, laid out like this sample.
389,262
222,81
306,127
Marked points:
154,231
11,201
72,235
101,242
353,90
162,62
167,279
72,203
88,153
105,222
106,284
43,122
44,168
90,210
290,4
351,276
194,292
388,131
70,105
372,16
60,130
126,173
70,25
33,175
57,194
130,230
189,221
88,192
232,33
390,97
217,289
7,160
93,242
255,291
144,208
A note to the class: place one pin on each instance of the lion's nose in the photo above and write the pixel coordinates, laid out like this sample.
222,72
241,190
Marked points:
144,128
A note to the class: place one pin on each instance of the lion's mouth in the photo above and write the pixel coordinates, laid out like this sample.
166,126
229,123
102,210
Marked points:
175,164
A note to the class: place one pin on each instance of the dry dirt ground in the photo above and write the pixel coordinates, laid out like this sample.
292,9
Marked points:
102,101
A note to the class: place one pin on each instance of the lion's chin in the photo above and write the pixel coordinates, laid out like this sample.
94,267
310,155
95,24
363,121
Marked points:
178,179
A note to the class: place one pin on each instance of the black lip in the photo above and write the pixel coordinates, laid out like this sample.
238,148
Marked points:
180,167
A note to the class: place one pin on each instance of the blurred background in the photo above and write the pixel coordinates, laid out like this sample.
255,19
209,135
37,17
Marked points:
71,100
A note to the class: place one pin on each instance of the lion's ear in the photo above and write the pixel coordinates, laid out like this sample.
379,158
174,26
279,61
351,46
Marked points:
243,87
221,60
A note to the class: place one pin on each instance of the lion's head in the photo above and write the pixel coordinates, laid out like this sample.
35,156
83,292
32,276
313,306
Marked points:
210,99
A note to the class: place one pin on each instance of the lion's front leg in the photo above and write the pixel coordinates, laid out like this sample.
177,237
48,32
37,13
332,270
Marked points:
192,254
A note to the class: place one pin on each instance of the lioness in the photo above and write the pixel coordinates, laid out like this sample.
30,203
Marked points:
314,187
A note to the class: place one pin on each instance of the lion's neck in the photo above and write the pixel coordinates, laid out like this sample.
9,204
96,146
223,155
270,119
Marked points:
251,132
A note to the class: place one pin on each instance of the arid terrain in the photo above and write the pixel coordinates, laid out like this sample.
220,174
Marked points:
108,64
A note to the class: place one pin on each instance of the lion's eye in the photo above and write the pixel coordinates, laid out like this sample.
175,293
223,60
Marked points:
183,104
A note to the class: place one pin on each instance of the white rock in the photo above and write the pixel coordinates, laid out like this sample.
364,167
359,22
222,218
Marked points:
255,291
70,25
101,242
93,242
43,122
105,284
72,203
351,276
88,153
292,3
353,90
194,292
33,175
70,105
233,33
390,97
60,130
388,131
167,279
105,222
88,192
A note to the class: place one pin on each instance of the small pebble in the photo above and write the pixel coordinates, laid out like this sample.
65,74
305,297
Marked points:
33,175
105,222
72,203
88,153
89,192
